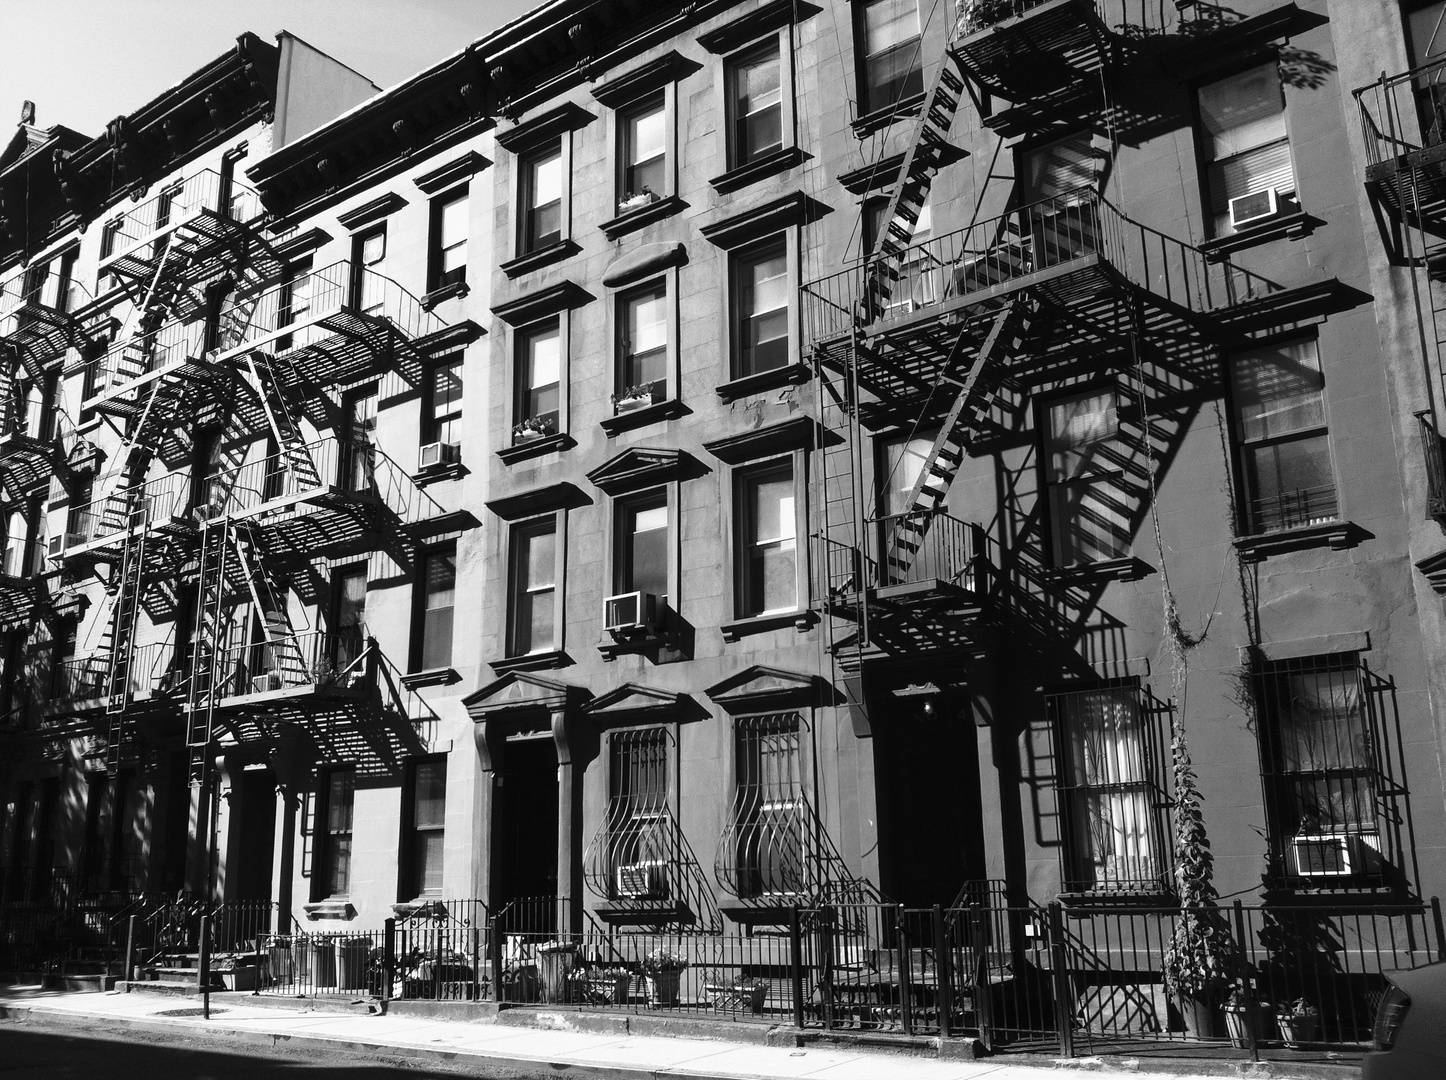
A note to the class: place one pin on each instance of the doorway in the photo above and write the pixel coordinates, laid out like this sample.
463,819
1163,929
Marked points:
257,835
524,865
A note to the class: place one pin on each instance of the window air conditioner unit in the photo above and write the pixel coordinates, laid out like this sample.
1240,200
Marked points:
1257,206
1337,855
640,881
270,680
58,544
434,454
631,612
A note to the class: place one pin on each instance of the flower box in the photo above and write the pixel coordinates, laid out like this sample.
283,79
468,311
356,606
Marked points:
737,997
636,202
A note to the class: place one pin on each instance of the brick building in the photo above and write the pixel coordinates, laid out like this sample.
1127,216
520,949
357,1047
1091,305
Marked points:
665,465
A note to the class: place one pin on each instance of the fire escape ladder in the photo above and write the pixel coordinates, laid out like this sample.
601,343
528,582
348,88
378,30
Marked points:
911,191
845,575
950,446
289,439
288,662
123,637
206,657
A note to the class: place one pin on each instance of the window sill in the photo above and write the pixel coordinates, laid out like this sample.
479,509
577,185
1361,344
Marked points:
536,260
670,409
666,646
761,624
453,470
1126,569
1337,535
788,375
1142,897
511,455
643,912
443,676
1291,226
538,661
633,220
768,165
329,909
458,289
871,122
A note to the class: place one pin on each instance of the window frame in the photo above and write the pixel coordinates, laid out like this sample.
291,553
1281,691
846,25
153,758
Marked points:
360,268
665,742
736,257
437,277
432,424
726,87
1050,517
742,476
1288,205
1246,524
666,284
800,804
411,874
521,337
523,243
1076,865
619,551
862,88
663,99
556,524
420,610
325,870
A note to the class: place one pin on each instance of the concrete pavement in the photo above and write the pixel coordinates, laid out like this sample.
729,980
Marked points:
498,1049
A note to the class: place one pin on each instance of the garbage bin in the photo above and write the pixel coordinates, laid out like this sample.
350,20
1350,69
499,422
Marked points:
352,954
322,967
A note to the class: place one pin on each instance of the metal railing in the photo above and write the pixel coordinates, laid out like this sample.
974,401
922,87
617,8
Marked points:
171,344
944,549
1041,236
306,964
327,660
1295,508
1403,113
1433,454
204,192
164,498
441,951
84,678
17,294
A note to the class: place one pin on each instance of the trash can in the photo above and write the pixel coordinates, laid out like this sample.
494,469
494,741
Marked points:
352,954
322,966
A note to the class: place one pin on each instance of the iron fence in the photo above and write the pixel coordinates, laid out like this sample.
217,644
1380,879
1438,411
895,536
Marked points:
308,964
441,951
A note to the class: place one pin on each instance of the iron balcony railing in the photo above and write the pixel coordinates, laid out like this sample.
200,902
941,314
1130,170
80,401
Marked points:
1292,509
947,550
1403,113
18,294
109,517
1041,236
154,670
327,660
1434,456
120,367
206,193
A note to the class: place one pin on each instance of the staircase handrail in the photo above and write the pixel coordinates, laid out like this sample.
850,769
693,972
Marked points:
1387,128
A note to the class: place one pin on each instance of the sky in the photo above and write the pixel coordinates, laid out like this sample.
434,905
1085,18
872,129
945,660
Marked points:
85,62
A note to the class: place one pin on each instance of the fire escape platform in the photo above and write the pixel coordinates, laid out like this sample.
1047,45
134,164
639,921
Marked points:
123,399
1051,45
19,599
213,244
108,546
42,336
26,463
330,523
1413,183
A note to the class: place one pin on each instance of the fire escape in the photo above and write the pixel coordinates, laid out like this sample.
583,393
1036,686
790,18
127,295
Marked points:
222,347
921,336
1403,124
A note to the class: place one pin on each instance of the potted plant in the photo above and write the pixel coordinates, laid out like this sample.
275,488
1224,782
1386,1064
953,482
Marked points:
976,15
743,994
1201,960
1242,1018
534,427
634,397
663,970
1297,1022
605,985
555,959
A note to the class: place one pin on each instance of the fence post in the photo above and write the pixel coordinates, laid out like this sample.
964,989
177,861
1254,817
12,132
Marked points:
983,1001
130,952
1440,929
906,989
203,973
256,967
389,956
795,956
1250,1019
1062,995
943,973
494,949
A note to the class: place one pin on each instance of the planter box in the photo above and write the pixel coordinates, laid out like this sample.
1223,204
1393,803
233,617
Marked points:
663,989
747,999
608,990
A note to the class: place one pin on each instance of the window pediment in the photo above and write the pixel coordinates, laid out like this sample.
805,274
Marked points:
760,688
549,125
542,500
755,24
646,260
540,304
521,691
644,466
372,211
454,171
797,433
753,222
631,85
633,703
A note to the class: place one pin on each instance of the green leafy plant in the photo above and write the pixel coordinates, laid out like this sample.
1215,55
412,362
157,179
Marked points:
663,959
1299,1009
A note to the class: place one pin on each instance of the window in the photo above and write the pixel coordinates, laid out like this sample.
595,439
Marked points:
1060,218
644,152
368,283
1243,135
334,813
760,308
17,544
1113,807
359,439
639,837
426,821
643,343
755,104
438,575
447,257
539,373
920,271
769,807
542,224
767,541
1083,466
1426,36
534,588
642,546
348,617
1280,427
892,67
295,301
900,463
442,411
1319,759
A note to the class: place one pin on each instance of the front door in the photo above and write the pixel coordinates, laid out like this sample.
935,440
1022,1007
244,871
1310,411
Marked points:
257,835
524,865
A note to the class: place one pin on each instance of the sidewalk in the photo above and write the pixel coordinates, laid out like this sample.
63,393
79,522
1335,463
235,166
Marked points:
518,1051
